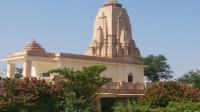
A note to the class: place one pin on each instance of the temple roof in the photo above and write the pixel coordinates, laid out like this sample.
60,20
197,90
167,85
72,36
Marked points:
34,46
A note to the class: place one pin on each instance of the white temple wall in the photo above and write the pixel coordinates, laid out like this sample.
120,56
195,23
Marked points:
118,72
78,65
139,74
39,68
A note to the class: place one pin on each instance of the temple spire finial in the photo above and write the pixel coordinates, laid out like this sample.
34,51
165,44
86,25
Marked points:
112,3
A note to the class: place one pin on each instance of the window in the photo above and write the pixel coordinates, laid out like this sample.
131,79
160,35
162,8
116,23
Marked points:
45,75
130,78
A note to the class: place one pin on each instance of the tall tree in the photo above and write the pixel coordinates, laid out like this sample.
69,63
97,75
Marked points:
83,87
193,76
84,83
157,69
18,72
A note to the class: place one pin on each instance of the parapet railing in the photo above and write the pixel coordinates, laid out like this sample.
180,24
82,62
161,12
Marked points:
131,87
125,87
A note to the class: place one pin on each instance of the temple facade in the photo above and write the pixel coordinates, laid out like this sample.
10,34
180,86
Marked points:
112,45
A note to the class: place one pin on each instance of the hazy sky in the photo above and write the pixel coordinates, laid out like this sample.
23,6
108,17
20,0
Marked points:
167,27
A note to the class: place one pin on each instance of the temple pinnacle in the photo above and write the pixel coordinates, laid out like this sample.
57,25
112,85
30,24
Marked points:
112,3
112,0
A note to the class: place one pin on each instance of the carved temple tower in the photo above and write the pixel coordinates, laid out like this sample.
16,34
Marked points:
112,34
112,45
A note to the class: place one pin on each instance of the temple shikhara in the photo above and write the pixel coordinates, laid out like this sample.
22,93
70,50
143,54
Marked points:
112,45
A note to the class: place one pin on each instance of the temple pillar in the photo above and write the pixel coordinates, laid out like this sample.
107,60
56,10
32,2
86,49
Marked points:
10,70
27,68
99,104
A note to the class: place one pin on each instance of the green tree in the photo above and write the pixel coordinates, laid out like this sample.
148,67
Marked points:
18,72
84,84
157,69
74,104
133,106
192,77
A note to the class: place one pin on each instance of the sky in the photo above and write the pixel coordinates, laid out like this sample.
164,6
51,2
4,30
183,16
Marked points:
167,27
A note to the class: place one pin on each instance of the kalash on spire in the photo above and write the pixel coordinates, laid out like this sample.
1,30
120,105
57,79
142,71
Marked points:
112,34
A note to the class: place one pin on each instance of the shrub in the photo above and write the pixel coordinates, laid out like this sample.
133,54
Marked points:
74,104
30,95
133,106
160,94
183,107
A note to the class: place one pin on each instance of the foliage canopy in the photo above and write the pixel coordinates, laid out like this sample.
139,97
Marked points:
133,106
192,77
84,83
73,104
157,69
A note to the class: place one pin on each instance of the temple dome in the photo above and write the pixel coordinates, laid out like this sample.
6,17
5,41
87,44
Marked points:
34,46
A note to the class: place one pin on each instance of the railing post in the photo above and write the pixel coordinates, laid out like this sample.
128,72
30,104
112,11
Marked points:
144,86
54,78
122,85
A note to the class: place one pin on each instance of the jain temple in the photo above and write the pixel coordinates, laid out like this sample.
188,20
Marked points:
112,45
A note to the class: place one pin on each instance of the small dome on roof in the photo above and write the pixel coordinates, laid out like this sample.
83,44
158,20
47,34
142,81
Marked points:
34,46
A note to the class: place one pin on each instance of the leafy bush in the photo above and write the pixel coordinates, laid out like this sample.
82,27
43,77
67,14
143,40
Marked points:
73,104
30,95
133,106
160,94
183,107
